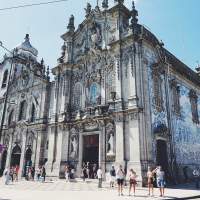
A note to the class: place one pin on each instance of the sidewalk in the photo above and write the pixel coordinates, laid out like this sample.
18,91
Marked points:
60,190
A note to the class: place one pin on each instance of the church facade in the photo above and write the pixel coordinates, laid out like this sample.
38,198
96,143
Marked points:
118,97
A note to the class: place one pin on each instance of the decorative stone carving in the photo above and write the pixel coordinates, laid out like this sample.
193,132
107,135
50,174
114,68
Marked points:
110,140
96,36
91,126
74,146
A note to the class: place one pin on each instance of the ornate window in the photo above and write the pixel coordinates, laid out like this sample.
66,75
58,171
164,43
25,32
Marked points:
176,97
194,106
109,85
5,77
78,95
22,110
157,89
33,113
10,117
94,93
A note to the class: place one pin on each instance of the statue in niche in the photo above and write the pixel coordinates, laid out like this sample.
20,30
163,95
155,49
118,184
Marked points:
74,147
96,36
111,144
110,141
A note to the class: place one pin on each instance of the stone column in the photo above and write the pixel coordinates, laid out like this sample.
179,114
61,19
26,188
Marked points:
118,79
37,149
23,152
132,89
65,145
50,150
80,154
54,170
56,166
64,152
102,154
9,151
119,140
134,142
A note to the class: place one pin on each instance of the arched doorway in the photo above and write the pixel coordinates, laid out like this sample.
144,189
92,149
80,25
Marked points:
28,161
162,156
15,156
28,156
3,161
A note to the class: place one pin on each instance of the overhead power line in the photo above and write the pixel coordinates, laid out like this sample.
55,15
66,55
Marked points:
31,5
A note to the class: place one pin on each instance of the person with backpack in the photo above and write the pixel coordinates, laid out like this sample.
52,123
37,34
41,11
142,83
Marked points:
112,176
120,180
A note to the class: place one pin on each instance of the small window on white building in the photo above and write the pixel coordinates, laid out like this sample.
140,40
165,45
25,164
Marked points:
5,78
22,110
33,113
10,117
194,106
77,96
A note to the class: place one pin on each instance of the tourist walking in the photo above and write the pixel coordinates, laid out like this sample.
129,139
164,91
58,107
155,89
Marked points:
160,176
43,174
112,176
38,173
150,180
72,173
12,173
29,177
196,174
7,177
120,179
88,170
16,172
185,173
132,181
99,176
84,173
32,173
67,173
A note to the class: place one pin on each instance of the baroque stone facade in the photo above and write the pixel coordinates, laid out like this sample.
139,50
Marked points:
119,97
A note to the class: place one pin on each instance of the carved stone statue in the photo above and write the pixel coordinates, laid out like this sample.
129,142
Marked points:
88,9
111,145
74,147
96,36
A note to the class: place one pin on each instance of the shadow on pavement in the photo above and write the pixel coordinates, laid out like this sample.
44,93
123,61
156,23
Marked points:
185,198
187,186
4,199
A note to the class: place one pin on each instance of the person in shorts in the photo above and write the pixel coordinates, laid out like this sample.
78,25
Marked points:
132,181
160,178
150,180
120,179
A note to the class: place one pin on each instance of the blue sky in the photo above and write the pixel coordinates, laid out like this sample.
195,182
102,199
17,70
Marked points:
176,22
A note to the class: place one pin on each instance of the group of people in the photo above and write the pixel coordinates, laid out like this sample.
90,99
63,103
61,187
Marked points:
119,175
89,171
11,174
69,173
39,174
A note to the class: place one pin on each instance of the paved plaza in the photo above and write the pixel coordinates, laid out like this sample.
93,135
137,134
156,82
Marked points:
60,190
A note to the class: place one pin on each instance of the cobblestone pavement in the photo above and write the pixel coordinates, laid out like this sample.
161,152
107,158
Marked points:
60,190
